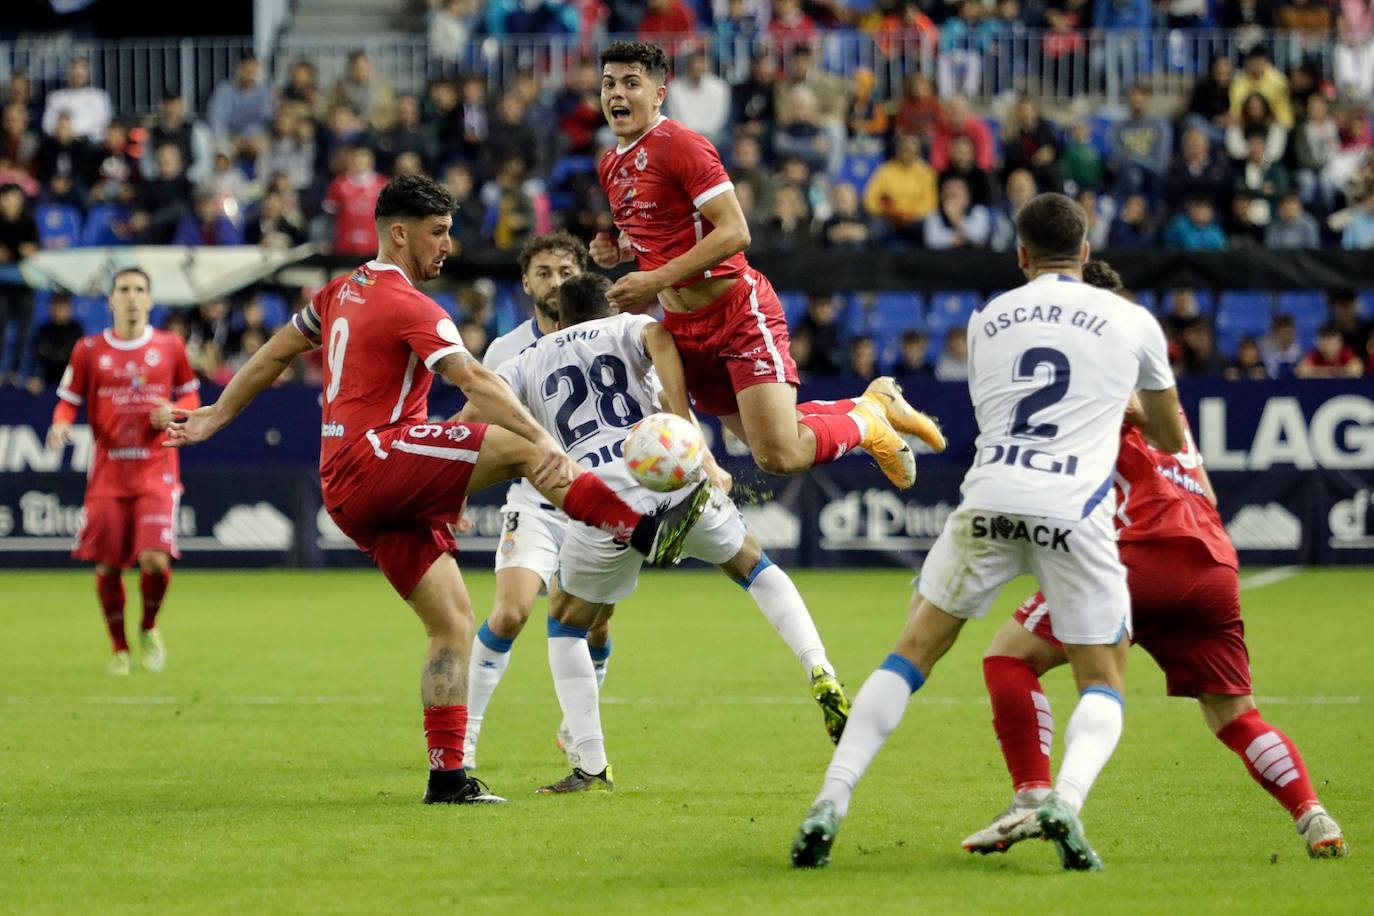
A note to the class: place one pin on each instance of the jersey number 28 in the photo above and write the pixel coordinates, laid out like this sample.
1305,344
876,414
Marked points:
609,382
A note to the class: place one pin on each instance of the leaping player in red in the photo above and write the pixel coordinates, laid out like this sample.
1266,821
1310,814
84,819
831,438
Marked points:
127,378
394,482
1185,597
679,219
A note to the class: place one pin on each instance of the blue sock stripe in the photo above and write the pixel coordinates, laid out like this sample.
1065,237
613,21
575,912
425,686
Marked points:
904,667
1105,691
493,642
600,653
758,569
562,629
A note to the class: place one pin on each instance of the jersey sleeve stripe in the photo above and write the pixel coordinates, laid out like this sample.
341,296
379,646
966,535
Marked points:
440,354
307,321
712,192
71,398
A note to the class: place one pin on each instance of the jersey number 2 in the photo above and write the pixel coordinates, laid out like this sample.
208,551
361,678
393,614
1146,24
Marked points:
609,381
1046,396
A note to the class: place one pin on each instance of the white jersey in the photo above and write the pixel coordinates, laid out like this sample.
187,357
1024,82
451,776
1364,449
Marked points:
521,496
1051,366
587,385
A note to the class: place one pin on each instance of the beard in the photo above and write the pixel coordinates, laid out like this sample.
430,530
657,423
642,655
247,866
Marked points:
548,307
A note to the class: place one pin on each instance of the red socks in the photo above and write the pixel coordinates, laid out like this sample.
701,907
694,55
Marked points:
154,587
1272,759
591,502
1021,717
445,728
109,588
821,408
835,435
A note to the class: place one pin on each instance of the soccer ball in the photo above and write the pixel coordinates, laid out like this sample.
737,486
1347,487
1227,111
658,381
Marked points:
664,452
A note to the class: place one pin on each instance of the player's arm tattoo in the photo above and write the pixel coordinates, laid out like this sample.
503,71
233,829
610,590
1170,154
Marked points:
444,680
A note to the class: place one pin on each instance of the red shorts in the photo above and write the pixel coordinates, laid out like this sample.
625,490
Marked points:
116,529
744,332
1186,610
406,492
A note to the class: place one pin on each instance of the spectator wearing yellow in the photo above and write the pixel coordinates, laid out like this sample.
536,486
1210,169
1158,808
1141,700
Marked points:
901,191
1263,77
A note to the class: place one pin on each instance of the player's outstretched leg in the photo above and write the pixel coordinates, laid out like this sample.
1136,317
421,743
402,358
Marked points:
155,575
783,444
109,590
575,682
516,591
1273,761
888,396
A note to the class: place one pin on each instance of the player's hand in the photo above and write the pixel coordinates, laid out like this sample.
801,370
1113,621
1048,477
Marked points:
191,426
634,289
718,476
59,435
555,470
465,522
161,417
605,251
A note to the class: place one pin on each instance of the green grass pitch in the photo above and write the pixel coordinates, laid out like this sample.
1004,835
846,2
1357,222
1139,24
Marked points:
277,765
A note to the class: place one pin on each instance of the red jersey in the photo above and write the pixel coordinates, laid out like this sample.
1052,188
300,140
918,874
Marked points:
380,335
120,382
656,186
352,200
1161,496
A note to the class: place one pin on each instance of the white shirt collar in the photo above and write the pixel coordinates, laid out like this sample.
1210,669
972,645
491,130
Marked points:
374,264
121,344
622,150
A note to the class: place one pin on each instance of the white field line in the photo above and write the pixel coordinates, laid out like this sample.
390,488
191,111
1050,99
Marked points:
1269,577
612,700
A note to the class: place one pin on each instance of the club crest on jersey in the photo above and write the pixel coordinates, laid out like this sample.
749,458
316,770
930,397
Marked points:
641,159
105,361
1001,528
152,357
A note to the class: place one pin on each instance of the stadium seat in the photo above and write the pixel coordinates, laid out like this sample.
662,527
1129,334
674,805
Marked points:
447,299
275,309
895,313
1307,307
1241,314
1100,133
793,305
1148,299
99,229
92,312
1364,302
951,310
59,225
857,169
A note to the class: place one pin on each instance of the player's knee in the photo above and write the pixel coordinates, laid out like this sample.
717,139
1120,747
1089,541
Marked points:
781,458
154,562
508,618
450,624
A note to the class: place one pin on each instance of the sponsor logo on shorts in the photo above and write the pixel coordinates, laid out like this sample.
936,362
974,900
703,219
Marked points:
1001,528
761,367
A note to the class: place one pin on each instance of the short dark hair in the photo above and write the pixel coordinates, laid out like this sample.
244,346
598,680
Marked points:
583,298
414,197
1102,275
131,270
562,241
1052,227
1328,330
650,56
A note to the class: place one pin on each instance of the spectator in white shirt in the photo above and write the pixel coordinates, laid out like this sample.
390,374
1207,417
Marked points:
700,99
88,106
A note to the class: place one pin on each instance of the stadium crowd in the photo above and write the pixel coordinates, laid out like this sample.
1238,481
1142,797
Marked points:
1254,156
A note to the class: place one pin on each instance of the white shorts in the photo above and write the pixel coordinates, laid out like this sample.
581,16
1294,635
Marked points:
595,568
1075,563
530,539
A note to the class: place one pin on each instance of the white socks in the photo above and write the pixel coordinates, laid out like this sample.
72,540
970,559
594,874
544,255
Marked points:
778,599
490,659
1094,729
574,679
877,711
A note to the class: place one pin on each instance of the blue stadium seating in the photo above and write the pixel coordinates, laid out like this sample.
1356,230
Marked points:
59,225
275,309
1148,299
793,305
1365,303
100,222
1241,313
1308,308
92,312
951,309
895,313
857,169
